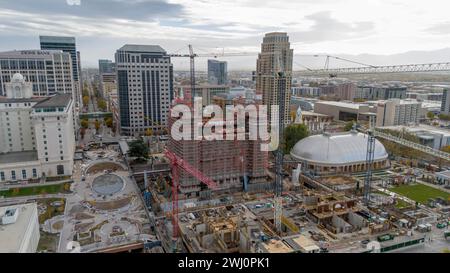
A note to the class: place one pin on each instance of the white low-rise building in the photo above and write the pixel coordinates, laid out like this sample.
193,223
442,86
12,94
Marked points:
398,112
37,136
19,228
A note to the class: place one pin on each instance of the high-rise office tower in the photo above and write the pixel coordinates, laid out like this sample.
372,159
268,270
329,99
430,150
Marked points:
217,72
105,66
80,79
66,44
144,88
49,71
445,105
276,56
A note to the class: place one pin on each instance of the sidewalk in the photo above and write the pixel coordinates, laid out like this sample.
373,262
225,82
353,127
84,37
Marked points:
24,199
433,186
27,185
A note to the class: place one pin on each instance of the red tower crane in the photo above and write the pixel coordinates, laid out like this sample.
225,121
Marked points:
178,163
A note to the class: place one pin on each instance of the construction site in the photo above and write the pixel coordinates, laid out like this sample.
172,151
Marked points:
333,192
203,201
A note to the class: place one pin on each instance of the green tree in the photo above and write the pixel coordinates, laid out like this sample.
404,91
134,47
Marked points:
101,104
446,149
84,123
85,100
109,122
430,115
349,125
138,149
97,124
292,134
82,132
85,92
444,117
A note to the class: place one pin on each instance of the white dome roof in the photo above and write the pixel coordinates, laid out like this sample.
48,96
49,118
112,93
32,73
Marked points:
336,149
17,78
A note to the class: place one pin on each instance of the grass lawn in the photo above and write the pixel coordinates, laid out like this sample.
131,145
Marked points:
36,190
419,192
48,242
51,211
401,204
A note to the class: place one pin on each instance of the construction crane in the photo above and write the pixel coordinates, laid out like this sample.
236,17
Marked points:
178,163
372,69
279,156
369,161
192,57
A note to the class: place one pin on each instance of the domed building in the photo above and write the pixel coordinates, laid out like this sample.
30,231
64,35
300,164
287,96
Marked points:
338,153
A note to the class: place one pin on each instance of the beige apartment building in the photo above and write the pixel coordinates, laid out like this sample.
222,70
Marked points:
276,55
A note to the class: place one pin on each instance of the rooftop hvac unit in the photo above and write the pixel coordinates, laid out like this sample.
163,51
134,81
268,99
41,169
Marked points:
10,216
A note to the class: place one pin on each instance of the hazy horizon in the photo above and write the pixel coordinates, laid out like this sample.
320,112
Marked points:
343,28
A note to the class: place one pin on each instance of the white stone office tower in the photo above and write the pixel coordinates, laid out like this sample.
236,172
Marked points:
275,54
144,88
37,133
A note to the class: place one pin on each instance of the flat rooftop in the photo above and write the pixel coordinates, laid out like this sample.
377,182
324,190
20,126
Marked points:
341,104
29,54
399,101
33,99
309,113
59,100
302,243
57,39
143,48
276,246
12,235
420,128
14,157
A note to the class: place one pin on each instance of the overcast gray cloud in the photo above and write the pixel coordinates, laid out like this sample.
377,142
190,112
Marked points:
440,28
101,9
326,28
314,26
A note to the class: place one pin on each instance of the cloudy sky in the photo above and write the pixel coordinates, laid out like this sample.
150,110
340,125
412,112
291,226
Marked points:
337,27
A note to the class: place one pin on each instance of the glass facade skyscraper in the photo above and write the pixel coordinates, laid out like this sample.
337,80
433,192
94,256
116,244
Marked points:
217,72
105,66
66,44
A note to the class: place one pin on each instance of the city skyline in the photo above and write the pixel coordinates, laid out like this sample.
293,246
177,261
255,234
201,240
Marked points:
323,26
224,127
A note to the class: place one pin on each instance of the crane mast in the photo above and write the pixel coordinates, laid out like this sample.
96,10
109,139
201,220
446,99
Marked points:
192,72
178,163
280,77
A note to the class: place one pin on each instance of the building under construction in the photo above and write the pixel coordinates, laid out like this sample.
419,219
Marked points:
235,165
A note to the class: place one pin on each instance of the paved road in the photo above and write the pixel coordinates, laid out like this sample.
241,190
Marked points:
434,243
